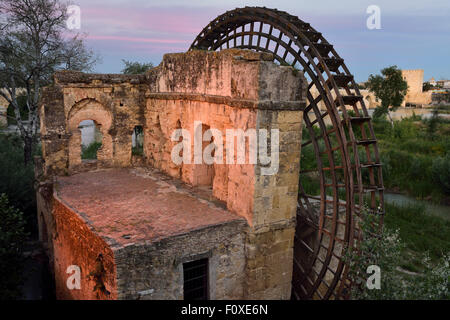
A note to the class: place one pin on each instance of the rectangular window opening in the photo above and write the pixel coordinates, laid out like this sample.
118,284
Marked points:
196,280
137,141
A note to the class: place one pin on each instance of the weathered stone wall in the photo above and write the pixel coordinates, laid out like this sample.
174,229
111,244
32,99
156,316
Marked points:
226,90
155,270
75,243
188,91
271,237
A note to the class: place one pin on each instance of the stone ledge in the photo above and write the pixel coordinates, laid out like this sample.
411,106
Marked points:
233,102
77,77
272,226
235,53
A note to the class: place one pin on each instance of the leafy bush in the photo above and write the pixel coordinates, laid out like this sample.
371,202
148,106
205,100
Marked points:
12,237
90,152
432,123
385,251
404,129
16,179
441,172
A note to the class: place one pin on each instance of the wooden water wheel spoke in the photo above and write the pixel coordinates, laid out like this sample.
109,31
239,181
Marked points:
347,166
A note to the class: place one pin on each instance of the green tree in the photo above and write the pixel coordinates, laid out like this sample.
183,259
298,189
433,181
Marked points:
135,67
427,86
34,43
390,88
12,237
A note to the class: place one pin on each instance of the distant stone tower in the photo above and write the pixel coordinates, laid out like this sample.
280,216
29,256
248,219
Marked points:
415,95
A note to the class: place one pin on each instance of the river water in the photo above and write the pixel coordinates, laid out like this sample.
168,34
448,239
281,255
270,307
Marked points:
431,208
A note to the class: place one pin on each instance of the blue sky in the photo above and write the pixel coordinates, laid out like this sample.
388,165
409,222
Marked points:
414,34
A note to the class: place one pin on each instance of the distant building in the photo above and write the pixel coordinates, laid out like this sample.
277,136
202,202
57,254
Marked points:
445,84
415,95
4,104
3,112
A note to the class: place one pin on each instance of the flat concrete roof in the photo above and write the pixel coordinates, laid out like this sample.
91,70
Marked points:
135,205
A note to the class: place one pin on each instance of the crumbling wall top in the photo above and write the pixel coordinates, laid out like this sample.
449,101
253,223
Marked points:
76,77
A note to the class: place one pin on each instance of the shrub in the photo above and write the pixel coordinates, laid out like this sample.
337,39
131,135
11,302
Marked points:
385,251
90,152
12,237
404,129
441,172
432,123
380,251
16,179
420,168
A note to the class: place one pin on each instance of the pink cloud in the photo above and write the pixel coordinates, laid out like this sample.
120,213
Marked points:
143,20
135,39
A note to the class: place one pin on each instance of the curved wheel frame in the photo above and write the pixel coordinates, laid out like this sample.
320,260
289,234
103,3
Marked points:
338,133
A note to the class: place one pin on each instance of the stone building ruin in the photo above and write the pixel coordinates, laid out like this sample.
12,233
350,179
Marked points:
141,226
144,215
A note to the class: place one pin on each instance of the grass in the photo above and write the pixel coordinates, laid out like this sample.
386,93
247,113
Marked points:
420,232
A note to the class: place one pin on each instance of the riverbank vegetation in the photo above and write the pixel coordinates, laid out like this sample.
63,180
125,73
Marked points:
421,233
387,252
415,154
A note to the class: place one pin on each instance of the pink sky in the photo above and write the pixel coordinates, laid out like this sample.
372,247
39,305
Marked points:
143,30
